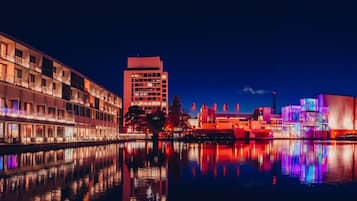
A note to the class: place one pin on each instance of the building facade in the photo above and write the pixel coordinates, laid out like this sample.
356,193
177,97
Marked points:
146,84
43,100
307,120
341,112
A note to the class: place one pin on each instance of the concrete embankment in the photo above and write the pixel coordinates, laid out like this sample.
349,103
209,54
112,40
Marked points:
16,148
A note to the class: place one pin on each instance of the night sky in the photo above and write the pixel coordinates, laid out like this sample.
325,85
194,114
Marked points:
211,51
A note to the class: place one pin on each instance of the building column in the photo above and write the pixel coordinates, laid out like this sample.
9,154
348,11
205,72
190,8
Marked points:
45,134
55,132
5,132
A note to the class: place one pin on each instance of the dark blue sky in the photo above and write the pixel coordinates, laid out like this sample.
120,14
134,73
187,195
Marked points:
211,51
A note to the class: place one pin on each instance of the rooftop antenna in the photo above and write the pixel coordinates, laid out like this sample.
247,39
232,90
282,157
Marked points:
274,93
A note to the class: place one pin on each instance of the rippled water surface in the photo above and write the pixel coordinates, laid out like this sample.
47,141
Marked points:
142,170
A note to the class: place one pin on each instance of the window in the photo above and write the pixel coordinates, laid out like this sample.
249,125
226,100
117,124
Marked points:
13,130
68,106
76,109
32,59
54,86
15,105
2,103
28,107
88,113
41,109
60,113
54,69
81,111
18,73
43,82
51,110
32,78
18,53
62,73
47,67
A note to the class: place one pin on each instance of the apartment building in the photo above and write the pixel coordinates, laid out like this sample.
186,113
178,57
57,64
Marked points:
43,100
146,84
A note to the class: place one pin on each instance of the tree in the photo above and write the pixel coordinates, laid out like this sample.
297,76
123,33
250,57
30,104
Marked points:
156,121
177,118
135,117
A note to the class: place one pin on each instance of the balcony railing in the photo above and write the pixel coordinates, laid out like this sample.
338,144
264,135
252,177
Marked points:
57,76
35,67
8,57
36,115
35,86
46,90
21,61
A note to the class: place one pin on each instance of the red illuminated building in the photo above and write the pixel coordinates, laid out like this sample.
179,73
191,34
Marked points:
146,84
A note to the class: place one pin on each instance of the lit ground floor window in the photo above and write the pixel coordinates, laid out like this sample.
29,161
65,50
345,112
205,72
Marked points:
50,131
12,132
40,131
60,131
27,130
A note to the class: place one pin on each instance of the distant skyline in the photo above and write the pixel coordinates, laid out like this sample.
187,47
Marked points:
214,54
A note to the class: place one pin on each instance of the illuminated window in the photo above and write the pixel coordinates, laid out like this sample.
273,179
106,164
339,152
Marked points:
15,105
2,103
13,130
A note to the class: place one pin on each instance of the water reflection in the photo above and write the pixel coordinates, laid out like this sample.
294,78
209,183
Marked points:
146,171
70,174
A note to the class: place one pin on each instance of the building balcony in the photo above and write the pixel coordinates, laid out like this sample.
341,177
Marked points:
66,80
8,57
57,93
35,67
35,86
21,61
57,76
21,82
46,90
41,116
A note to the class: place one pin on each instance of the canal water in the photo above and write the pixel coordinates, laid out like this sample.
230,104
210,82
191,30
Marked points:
141,170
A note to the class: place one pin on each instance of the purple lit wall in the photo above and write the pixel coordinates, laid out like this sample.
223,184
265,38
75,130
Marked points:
12,161
1,163
291,113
